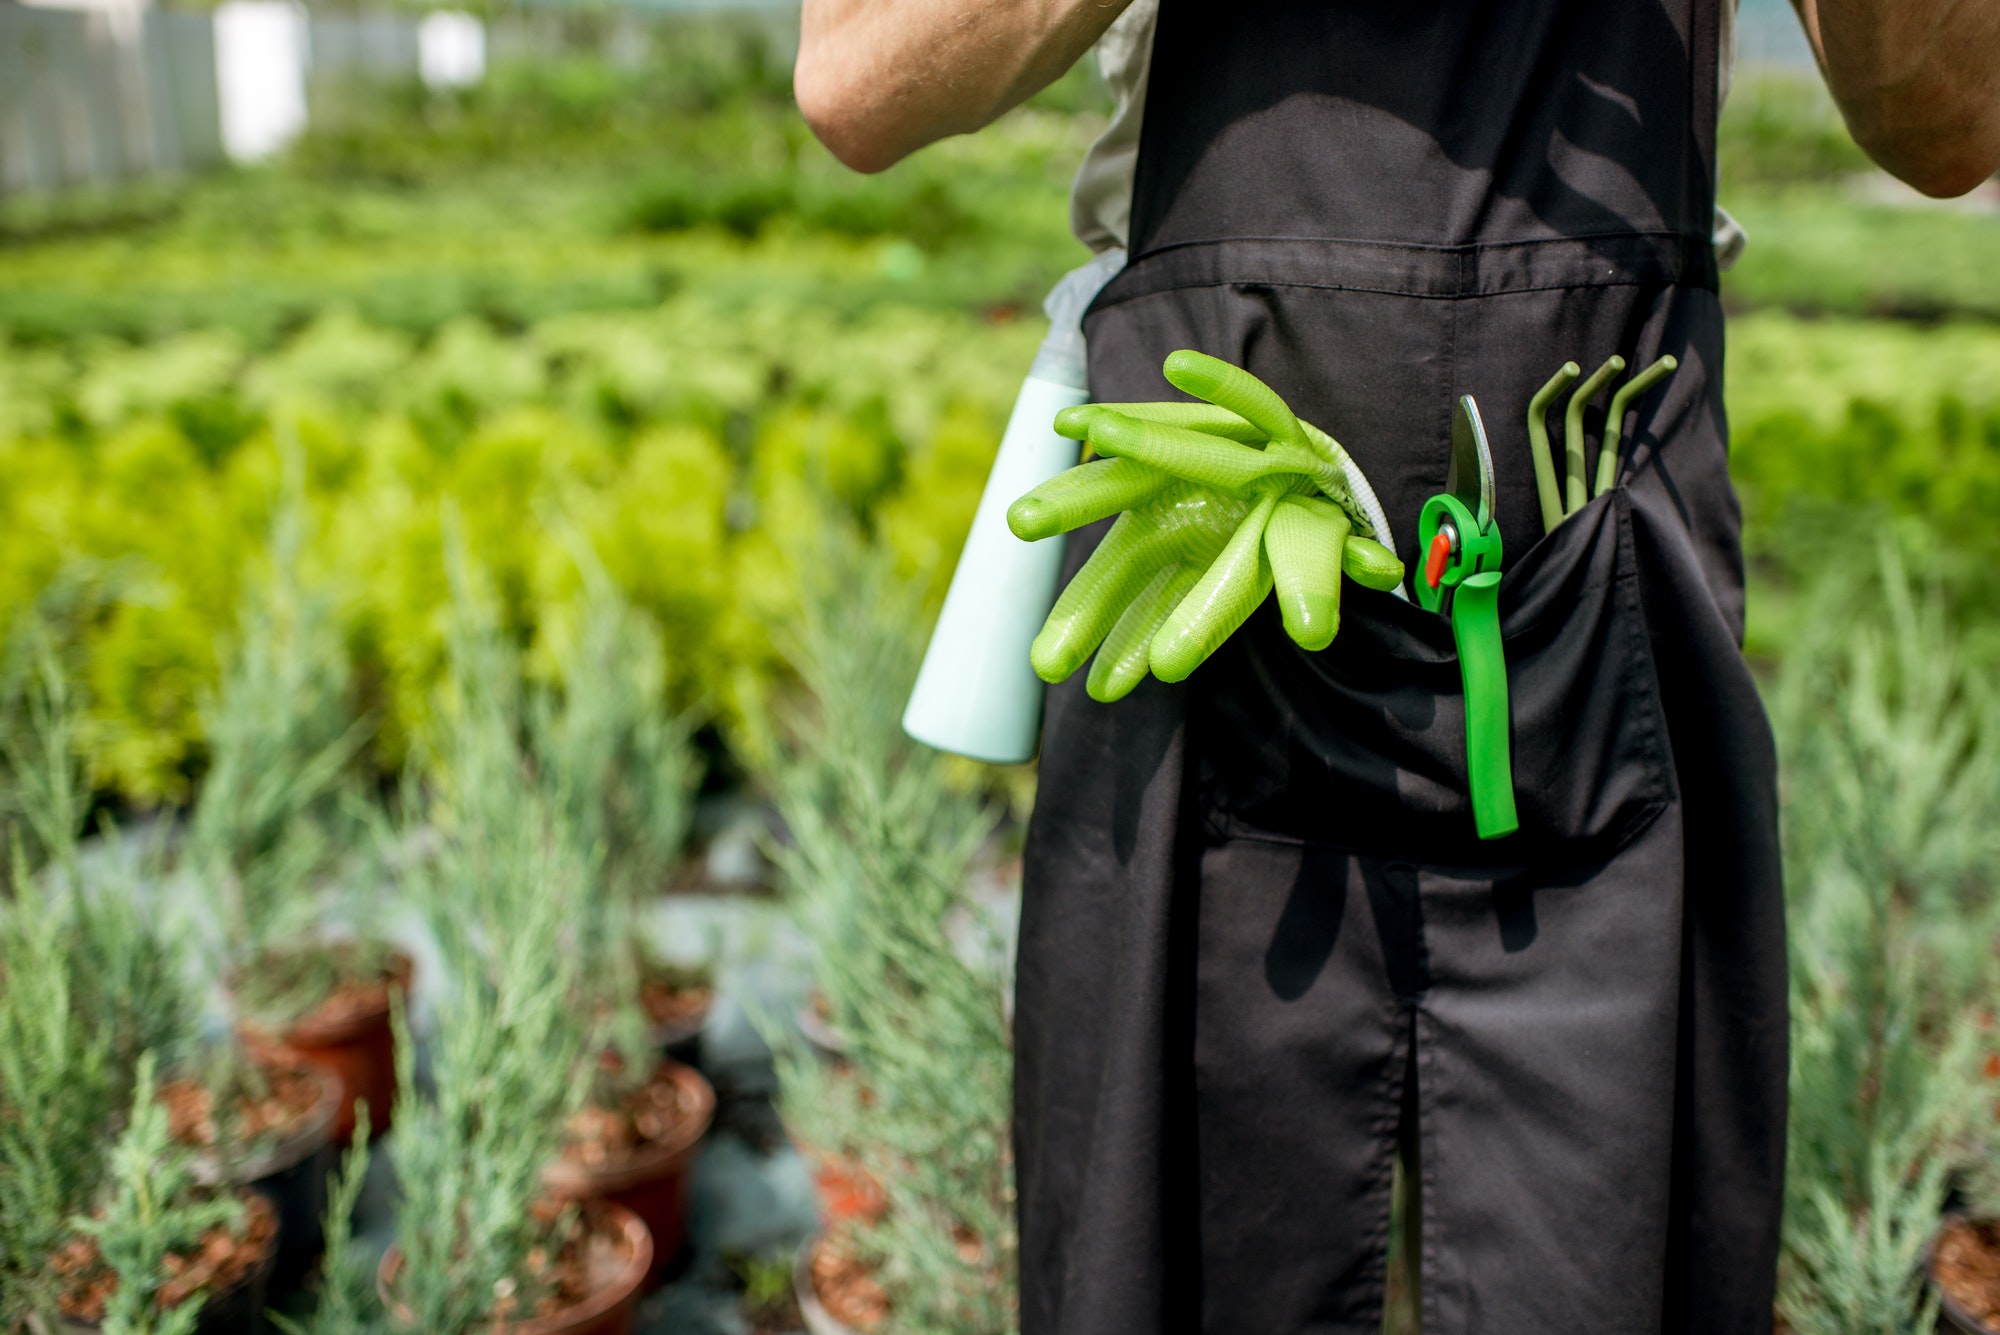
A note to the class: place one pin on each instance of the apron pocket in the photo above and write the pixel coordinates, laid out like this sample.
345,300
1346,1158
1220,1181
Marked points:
1362,745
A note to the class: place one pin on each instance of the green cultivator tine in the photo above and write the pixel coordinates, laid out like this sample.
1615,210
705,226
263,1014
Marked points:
1546,486
1614,421
1579,489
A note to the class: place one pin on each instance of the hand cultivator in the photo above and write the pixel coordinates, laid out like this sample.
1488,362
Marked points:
1560,502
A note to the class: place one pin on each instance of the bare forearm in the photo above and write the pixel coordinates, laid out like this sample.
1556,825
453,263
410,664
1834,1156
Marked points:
879,79
1919,84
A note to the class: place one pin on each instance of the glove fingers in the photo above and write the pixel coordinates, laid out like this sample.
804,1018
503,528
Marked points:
1123,661
1221,464
1074,423
1083,495
1228,593
1304,541
1115,572
1236,389
1203,417
1368,562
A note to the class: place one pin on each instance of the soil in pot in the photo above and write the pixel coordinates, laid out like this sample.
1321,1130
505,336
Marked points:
1965,1267
837,1290
589,1285
345,1031
233,1266
270,1129
676,1001
638,1149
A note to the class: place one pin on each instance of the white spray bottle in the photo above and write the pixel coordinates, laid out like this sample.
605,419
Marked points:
976,695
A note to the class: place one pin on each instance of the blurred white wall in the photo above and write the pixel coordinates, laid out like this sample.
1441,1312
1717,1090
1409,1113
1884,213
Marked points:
261,52
451,49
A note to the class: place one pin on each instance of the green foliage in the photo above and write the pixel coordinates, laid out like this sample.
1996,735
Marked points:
1782,128
347,1303
280,738
676,442
155,1210
610,748
1891,741
57,1094
502,893
93,980
907,961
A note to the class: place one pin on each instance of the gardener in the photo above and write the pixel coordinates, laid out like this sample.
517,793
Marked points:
1260,943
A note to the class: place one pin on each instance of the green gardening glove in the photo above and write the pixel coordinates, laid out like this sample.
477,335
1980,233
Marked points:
1219,502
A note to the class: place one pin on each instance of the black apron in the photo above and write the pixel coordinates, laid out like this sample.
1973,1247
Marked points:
1255,901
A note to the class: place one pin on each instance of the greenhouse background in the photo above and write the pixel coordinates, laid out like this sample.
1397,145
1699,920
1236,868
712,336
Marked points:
474,488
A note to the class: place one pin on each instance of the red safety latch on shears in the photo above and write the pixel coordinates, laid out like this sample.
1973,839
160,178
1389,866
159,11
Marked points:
1442,543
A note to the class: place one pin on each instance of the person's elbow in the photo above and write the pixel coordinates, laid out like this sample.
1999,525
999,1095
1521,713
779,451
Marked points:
847,112
1943,149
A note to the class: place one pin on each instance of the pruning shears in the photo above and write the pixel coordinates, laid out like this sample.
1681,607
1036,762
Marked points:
1461,576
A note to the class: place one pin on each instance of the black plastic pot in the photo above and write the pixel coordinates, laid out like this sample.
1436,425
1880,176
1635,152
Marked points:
292,1175
681,1041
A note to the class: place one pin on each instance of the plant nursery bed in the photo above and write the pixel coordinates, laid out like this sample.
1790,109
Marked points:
1965,1265
228,1263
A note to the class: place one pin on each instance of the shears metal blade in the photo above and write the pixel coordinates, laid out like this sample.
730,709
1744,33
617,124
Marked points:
1469,476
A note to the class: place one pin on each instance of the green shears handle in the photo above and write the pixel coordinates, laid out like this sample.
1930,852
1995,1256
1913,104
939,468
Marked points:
1470,575
1475,624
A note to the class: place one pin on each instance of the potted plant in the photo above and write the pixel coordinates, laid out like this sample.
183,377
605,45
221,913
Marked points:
479,1242
913,975
634,1143
269,820
164,1255
617,767
265,1123
88,983
619,763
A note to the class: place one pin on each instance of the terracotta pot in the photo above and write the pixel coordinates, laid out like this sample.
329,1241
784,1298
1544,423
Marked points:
819,1321
652,1183
609,1311
358,1049
1951,1316
234,1311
